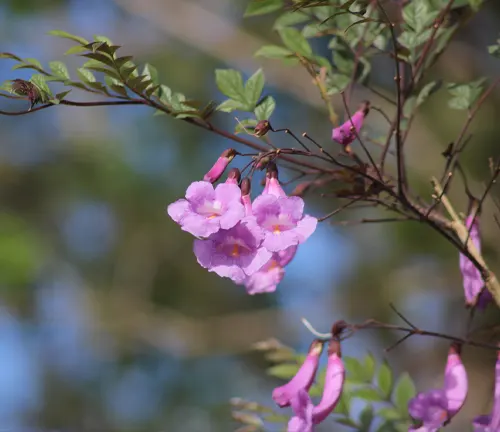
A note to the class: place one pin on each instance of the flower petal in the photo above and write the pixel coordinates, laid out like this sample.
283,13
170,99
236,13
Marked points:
306,227
200,191
178,209
276,242
228,193
199,225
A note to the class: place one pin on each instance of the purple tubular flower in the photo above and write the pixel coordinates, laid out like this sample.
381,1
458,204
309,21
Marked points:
334,382
491,423
271,274
235,253
205,210
475,294
346,133
283,221
302,421
303,379
219,167
435,408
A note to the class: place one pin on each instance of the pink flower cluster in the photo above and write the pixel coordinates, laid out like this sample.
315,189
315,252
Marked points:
248,242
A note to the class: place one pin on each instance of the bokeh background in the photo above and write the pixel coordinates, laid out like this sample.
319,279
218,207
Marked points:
107,323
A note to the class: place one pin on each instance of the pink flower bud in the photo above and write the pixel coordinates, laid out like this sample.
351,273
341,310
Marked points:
346,133
218,169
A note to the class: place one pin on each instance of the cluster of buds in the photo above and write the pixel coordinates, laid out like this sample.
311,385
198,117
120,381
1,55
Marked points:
248,241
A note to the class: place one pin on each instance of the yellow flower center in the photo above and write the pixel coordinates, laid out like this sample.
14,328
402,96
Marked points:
276,229
236,251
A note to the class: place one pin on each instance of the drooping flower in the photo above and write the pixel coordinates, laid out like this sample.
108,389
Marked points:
220,165
491,423
334,382
271,274
475,294
235,253
435,408
302,421
303,379
305,413
346,133
205,210
283,221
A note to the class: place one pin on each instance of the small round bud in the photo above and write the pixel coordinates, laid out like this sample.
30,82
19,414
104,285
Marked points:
262,128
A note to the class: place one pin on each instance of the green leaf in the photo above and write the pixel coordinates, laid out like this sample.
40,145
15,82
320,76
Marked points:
265,109
464,95
283,371
385,380
366,418
337,83
417,15
344,404
230,83
104,39
388,426
245,125
356,372
7,55
104,70
368,394
59,69
247,418
276,418
98,59
295,41
77,49
273,52
262,7
254,87
39,81
403,392
151,72
346,421
428,90
370,364
290,18
66,35
85,75
62,95
389,413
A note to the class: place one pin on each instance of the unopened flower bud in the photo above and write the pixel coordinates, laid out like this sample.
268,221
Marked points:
347,132
245,195
218,169
233,177
262,128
